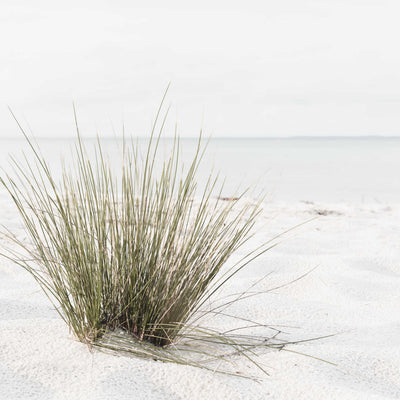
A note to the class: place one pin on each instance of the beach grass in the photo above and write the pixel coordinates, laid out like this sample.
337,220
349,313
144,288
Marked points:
130,260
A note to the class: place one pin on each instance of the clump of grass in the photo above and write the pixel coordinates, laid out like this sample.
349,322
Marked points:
129,261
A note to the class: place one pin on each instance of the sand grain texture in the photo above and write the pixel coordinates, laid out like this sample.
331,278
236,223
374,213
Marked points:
355,292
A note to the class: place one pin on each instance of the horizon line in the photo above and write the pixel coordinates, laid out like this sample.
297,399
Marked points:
107,137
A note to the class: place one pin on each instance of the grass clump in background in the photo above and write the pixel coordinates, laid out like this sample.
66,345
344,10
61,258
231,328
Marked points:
130,260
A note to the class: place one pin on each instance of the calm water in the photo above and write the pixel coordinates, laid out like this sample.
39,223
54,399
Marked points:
308,169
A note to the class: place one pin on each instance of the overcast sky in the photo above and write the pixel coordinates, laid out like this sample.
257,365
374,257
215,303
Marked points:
255,69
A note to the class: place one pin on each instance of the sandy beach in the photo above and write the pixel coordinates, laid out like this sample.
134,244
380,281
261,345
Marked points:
293,102
353,292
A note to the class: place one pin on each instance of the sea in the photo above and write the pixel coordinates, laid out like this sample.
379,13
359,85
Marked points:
310,169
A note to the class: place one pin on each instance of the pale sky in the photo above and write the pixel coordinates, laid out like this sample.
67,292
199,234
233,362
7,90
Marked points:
248,68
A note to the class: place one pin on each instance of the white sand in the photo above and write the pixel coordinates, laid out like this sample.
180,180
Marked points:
355,292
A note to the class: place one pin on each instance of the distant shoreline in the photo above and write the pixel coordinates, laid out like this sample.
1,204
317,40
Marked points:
212,138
